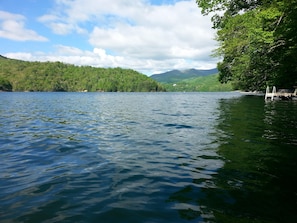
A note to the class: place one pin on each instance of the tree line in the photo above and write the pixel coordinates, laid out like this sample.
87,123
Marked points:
257,41
16,75
209,83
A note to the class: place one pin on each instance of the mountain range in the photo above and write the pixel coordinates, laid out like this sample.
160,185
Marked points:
175,76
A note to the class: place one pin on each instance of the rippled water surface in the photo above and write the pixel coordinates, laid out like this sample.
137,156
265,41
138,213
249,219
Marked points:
147,157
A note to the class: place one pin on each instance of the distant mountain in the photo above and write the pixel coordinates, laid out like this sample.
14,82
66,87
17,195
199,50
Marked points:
209,83
174,76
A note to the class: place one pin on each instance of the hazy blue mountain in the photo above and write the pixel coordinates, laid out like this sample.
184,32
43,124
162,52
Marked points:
174,76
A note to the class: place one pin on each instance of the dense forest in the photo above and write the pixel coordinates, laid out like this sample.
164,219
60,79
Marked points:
209,83
16,75
174,76
257,41
192,80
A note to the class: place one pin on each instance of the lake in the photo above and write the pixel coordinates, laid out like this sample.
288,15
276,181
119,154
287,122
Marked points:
147,157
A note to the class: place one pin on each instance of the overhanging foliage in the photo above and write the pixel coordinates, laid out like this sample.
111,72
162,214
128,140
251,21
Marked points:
257,41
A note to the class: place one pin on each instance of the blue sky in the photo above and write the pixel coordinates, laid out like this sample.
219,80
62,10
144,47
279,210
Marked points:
149,36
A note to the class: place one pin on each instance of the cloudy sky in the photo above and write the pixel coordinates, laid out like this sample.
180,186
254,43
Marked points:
150,36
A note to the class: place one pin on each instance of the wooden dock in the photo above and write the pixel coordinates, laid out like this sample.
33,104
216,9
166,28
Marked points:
284,94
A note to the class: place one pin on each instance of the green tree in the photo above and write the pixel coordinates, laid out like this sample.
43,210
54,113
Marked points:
5,85
257,42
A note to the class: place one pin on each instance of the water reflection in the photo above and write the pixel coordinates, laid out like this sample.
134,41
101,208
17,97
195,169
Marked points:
258,182
283,112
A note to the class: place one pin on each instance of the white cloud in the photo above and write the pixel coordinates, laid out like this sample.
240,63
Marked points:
100,58
12,27
132,34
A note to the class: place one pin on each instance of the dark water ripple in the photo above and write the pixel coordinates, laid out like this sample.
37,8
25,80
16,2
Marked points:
100,157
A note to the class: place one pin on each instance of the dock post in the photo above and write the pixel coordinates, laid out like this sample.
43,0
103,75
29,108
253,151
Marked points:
267,92
273,93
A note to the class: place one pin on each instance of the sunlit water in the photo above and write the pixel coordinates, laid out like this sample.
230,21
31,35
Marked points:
147,157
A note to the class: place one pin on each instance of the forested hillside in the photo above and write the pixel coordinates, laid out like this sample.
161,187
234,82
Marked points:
16,75
257,41
192,80
174,76
199,84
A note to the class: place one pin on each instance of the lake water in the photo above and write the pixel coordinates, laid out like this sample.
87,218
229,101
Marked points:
147,157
